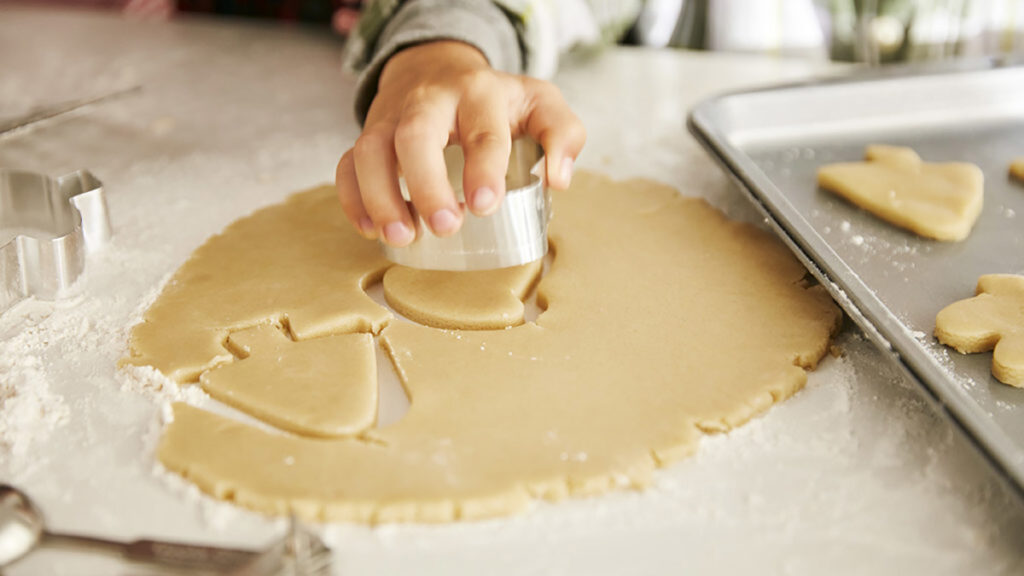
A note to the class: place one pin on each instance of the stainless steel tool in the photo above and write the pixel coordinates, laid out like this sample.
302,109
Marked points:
47,227
22,529
299,553
515,234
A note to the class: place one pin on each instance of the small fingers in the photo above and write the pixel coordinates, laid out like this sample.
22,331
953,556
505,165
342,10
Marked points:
556,128
376,173
486,140
420,139
348,193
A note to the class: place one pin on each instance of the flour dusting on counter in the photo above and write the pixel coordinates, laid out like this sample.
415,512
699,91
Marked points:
29,410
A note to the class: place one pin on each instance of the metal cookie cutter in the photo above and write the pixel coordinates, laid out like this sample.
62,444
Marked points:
515,234
47,225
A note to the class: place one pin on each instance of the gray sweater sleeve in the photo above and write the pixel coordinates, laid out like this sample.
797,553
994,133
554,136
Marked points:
479,23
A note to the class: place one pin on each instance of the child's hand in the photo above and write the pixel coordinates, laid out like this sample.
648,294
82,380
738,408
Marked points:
438,92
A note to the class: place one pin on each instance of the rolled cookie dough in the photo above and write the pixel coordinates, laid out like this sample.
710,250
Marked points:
1017,169
662,320
940,201
993,319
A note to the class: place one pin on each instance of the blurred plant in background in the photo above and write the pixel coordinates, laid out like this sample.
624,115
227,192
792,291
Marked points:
877,31
868,31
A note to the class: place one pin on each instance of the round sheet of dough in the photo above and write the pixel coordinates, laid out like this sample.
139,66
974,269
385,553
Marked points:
663,320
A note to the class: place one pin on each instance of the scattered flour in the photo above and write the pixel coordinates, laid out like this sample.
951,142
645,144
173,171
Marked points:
150,382
41,342
29,410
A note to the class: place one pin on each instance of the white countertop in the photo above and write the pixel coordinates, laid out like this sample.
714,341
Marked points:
854,475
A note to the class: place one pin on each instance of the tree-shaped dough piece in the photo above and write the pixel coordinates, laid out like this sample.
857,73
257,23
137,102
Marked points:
477,300
994,319
940,201
323,387
1017,169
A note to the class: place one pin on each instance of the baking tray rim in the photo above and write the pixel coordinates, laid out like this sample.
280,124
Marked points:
891,336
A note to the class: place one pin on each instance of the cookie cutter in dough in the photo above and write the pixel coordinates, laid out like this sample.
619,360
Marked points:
515,234
47,226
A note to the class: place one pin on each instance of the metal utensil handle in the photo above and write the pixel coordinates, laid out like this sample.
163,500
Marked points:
187,555
168,554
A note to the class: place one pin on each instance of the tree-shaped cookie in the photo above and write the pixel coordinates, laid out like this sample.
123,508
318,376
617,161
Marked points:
1017,169
994,319
325,387
940,201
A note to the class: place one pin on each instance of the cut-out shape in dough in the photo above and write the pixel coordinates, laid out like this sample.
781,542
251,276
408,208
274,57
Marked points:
940,201
662,321
1017,169
297,264
320,387
477,300
993,319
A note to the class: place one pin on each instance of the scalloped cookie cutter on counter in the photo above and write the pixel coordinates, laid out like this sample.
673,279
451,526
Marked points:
47,228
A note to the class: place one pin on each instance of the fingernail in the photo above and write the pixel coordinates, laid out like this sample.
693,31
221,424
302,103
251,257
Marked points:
567,171
366,225
397,234
483,201
444,221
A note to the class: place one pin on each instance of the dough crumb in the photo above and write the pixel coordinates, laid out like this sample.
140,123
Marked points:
1017,169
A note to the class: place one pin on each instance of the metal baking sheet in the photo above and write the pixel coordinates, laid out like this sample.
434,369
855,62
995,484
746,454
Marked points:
892,282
